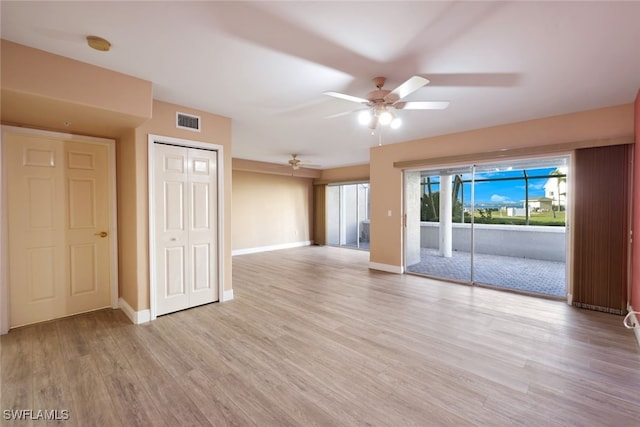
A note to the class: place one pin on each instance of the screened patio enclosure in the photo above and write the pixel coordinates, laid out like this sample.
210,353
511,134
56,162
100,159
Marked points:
499,224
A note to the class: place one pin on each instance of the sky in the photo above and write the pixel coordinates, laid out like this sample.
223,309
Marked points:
503,192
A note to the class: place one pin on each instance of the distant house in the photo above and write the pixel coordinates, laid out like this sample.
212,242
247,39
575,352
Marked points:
536,204
539,204
556,188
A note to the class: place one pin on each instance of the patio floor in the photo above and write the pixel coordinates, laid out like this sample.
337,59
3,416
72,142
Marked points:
522,274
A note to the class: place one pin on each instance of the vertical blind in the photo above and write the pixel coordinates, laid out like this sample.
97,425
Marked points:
602,178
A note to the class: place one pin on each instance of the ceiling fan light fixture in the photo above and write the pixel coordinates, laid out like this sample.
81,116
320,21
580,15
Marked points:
396,123
385,118
364,118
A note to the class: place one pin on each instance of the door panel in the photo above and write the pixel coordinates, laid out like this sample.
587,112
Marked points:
41,281
82,196
201,274
186,227
87,226
171,233
203,235
83,263
175,273
58,202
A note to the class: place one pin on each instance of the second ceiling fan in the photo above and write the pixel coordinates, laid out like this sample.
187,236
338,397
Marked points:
381,103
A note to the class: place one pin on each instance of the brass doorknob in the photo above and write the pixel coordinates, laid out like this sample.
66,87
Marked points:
101,234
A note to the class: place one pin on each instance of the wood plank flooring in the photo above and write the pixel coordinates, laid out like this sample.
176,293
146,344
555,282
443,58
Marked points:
314,338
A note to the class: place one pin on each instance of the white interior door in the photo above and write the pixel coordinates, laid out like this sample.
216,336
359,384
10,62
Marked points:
58,221
185,227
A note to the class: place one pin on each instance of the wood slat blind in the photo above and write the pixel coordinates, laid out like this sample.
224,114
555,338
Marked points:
601,228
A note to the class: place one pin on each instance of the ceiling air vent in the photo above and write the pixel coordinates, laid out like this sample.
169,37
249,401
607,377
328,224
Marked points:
187,121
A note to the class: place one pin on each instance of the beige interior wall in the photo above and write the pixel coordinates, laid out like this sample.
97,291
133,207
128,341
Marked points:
270,210
590,128
127,207
320,214
357,173
25,69
215,130
43,90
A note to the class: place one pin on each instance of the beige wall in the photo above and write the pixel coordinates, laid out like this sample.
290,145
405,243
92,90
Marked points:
270,210
553,134
127,208
357,173
215,130
42,90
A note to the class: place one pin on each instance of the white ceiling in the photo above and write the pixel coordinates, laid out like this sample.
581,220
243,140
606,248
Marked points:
266,64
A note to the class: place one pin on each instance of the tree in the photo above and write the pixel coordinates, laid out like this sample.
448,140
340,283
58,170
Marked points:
560,178
430,209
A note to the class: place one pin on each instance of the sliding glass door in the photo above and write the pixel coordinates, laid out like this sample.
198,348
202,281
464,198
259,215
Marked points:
439,243
499,224
348,215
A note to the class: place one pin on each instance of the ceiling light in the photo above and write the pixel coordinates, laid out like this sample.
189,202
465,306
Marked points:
364,118
385,118
98,43
395,123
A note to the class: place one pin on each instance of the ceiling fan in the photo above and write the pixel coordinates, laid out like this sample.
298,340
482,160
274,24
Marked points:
295,162
382,103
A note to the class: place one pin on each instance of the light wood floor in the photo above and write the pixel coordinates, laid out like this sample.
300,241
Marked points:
315,338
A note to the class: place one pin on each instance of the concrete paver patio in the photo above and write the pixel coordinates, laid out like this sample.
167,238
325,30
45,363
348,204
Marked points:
522,274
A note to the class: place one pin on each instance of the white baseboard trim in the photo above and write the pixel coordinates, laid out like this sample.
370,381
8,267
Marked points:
227,295
136,317
271,248
397,269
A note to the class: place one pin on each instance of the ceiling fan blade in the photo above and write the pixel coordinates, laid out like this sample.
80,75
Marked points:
413,84
344,113
421,105
347,97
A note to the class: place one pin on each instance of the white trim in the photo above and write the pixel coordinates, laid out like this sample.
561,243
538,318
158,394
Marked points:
152,139
4,233
397,269
136,317
113,249
227,295
271,248
113,223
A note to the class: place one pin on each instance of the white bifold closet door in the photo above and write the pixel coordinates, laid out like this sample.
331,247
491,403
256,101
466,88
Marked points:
185,227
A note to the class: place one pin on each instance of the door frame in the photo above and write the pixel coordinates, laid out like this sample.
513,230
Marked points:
151,141
4,225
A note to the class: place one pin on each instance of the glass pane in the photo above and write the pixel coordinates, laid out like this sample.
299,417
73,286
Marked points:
363,216
348,215
444,237
333,215
349,203
519,219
